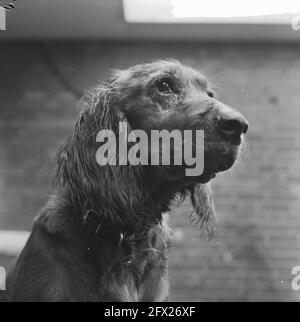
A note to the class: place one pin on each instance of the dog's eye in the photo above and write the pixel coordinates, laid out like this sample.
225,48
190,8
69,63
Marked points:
167,86
210,94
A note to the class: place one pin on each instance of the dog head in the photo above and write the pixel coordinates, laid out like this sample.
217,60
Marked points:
159,96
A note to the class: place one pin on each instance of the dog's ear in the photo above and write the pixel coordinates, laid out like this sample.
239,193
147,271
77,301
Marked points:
204,207
75,158
105,189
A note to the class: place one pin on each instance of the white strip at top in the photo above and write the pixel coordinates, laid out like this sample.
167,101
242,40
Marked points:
12,242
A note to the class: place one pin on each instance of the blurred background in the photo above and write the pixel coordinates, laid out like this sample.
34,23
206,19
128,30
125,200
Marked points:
52,50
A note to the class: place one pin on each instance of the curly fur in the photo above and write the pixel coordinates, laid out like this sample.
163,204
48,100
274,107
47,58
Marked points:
125,257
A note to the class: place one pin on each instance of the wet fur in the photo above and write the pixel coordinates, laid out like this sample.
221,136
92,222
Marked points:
60,261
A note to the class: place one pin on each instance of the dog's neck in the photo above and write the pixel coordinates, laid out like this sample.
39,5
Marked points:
113,216
164,187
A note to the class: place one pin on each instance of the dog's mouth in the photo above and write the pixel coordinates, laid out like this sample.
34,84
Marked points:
217,164
206,176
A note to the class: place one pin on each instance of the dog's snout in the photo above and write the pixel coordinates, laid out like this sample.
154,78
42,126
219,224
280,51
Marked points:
233,126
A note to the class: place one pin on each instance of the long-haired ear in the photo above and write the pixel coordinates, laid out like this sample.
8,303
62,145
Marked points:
74,155
114,191
204,207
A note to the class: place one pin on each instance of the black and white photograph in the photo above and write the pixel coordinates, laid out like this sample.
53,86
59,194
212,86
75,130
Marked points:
150,152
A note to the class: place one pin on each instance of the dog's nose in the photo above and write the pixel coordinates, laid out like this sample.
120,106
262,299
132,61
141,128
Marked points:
233,126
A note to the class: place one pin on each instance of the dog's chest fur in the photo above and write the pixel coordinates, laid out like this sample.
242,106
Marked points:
145,276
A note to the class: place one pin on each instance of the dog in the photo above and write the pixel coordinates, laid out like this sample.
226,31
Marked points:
103,235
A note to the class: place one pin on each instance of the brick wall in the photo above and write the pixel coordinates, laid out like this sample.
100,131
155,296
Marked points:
257,238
